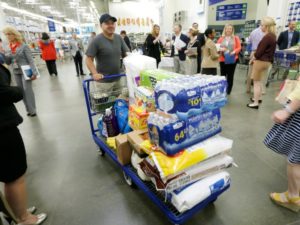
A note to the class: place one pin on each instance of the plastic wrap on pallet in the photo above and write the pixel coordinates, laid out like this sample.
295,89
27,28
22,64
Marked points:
172,134
197,93
191,195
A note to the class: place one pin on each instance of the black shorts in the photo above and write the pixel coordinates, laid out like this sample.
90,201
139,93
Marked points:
12,155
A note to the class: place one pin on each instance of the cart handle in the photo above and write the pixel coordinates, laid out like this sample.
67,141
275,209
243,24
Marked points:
106,77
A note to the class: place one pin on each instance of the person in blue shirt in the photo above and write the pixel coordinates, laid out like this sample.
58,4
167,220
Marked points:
288,38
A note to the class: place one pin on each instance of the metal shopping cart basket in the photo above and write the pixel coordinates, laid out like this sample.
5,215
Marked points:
94,107
286,61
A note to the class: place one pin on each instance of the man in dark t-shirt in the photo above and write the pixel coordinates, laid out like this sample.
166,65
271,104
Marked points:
107,49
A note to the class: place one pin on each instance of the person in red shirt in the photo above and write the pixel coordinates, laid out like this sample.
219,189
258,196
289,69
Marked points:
48,50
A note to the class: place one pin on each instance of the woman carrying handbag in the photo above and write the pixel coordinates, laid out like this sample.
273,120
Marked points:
20,55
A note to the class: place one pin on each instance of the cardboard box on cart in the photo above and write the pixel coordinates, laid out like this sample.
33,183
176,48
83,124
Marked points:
136,138
124,149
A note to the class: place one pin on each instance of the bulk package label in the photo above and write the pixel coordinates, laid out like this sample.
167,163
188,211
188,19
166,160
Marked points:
173,135
191,94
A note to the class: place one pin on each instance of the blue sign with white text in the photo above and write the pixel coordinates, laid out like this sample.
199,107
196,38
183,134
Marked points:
231,12
213,2
51,24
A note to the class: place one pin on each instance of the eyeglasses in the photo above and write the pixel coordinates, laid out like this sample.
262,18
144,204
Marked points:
7,34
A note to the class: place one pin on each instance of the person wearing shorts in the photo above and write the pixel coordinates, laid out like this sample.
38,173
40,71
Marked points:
107,49
262,59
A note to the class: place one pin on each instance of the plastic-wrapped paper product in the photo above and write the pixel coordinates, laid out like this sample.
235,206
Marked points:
188,176
172,134
169,165
199,171
198,93
134,64
149,78
191,195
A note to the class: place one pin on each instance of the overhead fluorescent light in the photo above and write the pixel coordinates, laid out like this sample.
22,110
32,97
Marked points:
93,4
46,7
116,1
29,14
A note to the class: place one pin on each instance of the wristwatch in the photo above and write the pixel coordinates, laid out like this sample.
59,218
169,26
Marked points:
288,109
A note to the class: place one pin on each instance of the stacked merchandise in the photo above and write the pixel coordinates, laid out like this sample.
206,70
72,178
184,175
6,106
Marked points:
175,142
186,156
143,101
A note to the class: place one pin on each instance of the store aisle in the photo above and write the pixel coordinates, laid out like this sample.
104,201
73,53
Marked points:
68,180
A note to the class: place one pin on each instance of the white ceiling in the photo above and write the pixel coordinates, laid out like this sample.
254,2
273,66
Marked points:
62,10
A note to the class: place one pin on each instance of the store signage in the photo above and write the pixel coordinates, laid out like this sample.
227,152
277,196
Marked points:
231,12
213,2
51,24
298,26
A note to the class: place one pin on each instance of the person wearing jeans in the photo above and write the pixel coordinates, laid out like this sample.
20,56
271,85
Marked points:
76,48
180,43
229,44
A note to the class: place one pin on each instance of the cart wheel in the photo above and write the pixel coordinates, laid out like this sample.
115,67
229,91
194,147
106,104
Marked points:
101,152
129,180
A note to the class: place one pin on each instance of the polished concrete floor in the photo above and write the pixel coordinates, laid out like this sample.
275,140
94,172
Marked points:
75,186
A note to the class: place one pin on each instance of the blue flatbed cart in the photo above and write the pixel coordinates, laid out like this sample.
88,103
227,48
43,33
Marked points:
130,174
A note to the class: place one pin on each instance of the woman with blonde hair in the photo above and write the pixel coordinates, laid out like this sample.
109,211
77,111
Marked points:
154,45
263,58
230,47
20,55
193,50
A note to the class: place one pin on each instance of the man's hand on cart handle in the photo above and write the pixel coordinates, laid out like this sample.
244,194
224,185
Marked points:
98,76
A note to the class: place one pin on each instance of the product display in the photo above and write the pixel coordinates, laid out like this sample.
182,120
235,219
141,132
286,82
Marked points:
197,93
138,117
189,196
149,78
188,176
169,165
172,134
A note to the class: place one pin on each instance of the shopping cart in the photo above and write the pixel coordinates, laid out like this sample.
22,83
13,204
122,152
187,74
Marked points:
286,61
130,174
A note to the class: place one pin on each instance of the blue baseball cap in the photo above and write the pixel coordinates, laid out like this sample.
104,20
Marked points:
106,17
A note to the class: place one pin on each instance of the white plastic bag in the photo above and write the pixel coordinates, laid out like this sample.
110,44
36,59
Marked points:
134,64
